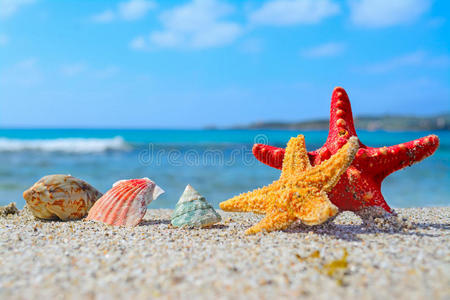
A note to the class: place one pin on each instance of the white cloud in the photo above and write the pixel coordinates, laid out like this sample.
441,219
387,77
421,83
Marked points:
26,64
324,50
138,43
73,69
197,24
291,12
414,59
25,73
127,11
384,13
407,60
4,40
106,72
104,17
10,7
251,46
81,68
134,9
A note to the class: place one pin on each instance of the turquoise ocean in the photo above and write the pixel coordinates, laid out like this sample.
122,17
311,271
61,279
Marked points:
218,163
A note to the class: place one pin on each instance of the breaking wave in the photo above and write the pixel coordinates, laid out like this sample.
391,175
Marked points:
68,145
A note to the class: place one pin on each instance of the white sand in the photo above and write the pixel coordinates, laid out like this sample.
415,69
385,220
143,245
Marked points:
77,259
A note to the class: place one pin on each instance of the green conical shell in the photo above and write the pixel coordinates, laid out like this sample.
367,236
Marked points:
192,210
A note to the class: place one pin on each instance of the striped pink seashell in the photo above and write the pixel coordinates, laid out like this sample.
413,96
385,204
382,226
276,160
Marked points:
125,203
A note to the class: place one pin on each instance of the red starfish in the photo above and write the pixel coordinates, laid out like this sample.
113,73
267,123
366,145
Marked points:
360,185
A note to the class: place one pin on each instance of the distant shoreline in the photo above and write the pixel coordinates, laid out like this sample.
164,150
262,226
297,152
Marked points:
389,123
369,123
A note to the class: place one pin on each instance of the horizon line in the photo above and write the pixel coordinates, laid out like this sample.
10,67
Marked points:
217,127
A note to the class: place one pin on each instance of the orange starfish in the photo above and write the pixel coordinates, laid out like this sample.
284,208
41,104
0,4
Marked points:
301,191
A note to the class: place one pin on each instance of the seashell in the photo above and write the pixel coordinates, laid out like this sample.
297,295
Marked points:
192,210
60,196
9,209
125,203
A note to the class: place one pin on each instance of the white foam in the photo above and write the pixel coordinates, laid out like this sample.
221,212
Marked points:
69,145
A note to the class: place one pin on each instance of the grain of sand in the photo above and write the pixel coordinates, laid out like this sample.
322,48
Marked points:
85,259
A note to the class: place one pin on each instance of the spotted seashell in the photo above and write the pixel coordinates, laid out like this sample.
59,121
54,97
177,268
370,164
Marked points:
192,211
125,203
60,197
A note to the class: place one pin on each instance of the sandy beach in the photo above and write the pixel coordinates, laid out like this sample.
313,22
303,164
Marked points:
85,259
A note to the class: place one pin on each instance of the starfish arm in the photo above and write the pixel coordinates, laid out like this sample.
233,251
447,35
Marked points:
312,208
361,185
273,221
356,190
386,160
327,174
255,201
341,119
269,155
296,158
376,199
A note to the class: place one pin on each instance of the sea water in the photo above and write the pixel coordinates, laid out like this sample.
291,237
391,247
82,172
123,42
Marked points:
218,163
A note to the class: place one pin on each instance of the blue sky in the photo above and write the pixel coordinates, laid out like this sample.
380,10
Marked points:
189,64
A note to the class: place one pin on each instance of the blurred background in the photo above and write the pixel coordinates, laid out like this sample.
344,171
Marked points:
178,91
